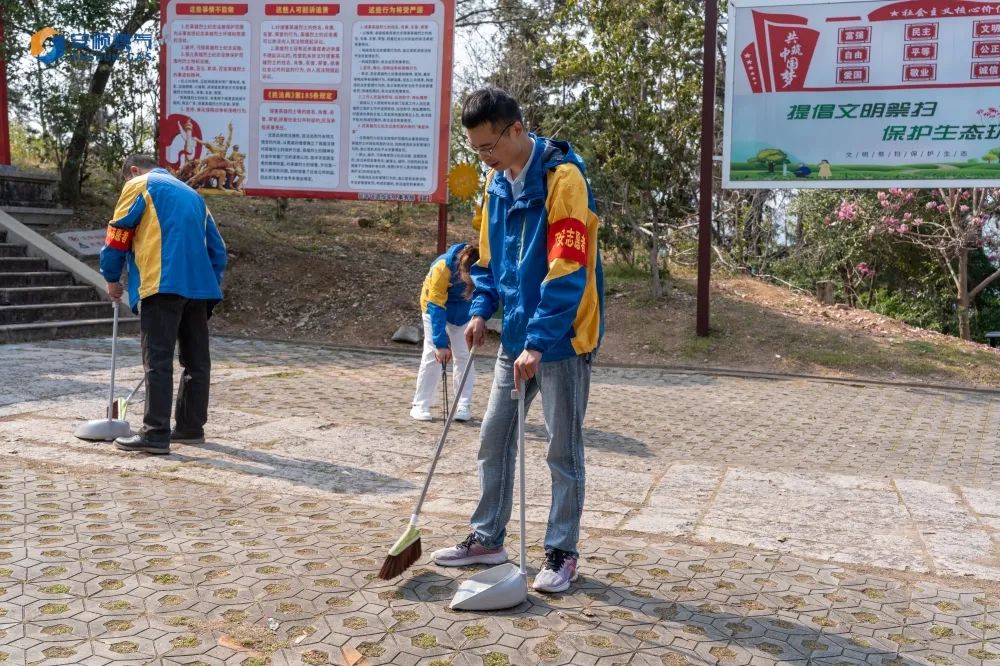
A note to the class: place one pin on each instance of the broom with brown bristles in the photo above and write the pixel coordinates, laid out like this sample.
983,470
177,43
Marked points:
407,548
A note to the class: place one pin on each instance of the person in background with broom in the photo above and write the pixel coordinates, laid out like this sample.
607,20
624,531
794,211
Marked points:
538,259
444,301
176,257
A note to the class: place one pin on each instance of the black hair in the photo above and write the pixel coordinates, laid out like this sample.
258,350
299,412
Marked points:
144,162
490,105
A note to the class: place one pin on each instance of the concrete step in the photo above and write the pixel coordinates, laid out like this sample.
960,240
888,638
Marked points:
11,250
40,295
22,264
52,330
38,216
35,279
28,314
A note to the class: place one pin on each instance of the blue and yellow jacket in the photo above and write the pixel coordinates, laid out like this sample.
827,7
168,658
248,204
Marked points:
443,296
163,230
538,257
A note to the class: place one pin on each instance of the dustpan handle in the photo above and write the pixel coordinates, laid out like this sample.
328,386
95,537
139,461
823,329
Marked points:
444,436
521,456
114,359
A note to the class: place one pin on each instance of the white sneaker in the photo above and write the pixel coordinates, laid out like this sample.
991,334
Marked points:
421,413
463,412
559,571
469,551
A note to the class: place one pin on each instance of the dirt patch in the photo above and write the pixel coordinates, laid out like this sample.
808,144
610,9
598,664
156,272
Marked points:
350,273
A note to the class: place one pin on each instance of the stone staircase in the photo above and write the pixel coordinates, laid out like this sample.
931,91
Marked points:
37,303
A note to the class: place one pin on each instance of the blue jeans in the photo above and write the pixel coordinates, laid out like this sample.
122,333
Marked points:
565,388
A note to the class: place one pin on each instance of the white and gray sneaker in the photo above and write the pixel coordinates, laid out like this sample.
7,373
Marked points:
559,571
469,551
421,413
463,412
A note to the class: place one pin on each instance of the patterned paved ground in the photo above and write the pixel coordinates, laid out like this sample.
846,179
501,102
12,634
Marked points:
101,568
259,546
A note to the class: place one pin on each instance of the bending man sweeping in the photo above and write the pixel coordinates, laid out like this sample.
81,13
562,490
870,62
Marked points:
162,231
538,260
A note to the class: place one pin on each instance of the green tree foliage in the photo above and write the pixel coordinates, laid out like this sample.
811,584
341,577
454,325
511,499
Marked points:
922,256
81,113
770,157
628,79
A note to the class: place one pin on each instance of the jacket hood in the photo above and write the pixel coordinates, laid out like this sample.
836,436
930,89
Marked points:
553,153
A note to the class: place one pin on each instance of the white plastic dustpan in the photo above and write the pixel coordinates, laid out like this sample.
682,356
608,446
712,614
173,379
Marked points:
103,430
506,585
109,429
498,587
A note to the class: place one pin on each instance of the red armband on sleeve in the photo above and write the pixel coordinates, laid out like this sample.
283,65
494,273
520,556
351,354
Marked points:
568,240
119,239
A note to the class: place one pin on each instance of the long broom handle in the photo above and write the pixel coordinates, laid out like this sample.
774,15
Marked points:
521,455
444,384
138,386
114,359
444,435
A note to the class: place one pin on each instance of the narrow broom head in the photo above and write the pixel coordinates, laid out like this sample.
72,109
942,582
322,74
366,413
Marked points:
402,555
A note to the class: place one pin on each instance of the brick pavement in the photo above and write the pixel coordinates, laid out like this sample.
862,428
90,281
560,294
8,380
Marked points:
314,444
121,568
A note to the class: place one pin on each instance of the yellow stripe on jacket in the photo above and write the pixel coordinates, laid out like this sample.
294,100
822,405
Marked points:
481,223
567,205
147,243
436,284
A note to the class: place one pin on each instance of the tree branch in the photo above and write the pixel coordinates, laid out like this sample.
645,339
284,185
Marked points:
982,285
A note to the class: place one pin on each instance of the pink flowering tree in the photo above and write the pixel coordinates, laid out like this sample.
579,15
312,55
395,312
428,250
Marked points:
845,242
950,224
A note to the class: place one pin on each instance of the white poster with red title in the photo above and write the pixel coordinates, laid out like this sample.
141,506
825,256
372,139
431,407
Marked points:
862,94
345,100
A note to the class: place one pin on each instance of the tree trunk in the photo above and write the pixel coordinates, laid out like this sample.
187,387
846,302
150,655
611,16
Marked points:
654,263
964,330
72,169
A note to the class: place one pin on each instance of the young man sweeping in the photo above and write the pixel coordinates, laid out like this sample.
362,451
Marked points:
539,260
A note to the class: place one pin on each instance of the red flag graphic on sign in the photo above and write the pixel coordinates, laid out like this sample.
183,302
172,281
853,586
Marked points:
750,65
790,50
760,22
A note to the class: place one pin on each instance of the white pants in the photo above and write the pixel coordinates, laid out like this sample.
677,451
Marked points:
429,375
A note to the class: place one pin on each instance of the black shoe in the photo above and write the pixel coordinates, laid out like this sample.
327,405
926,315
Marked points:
140,443
185,438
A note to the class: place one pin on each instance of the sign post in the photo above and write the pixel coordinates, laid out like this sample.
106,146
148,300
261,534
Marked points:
705,186
4,105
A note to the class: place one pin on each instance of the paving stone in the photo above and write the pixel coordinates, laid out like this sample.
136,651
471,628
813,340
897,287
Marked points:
270,533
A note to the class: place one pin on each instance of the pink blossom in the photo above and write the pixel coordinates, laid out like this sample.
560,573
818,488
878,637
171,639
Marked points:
903,228
931,205
826,220
963,208
907,216
847,211
942,208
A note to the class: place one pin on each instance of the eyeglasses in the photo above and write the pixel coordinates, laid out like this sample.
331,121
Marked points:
489,153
